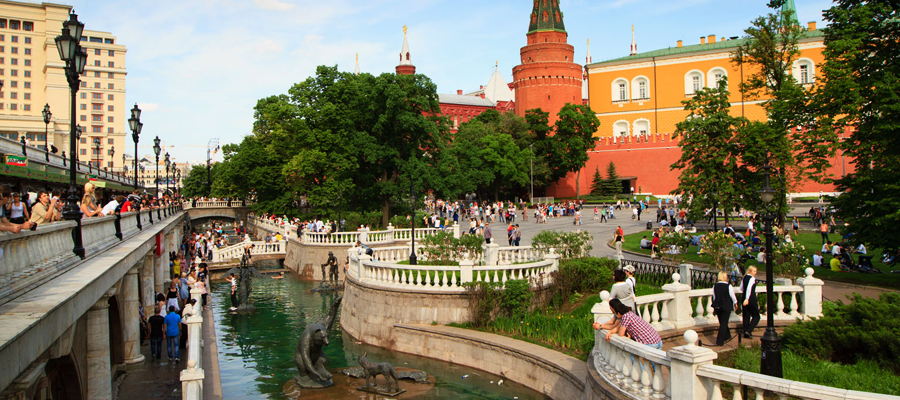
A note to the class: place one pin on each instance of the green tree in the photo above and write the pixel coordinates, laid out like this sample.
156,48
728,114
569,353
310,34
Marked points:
709,152
194,184
612,185
573,138
862,79
597,183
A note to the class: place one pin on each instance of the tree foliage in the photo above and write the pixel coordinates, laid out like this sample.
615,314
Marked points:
597,183
195,183
612,185
862,79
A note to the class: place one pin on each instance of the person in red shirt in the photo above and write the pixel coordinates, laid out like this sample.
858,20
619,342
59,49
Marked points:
654,246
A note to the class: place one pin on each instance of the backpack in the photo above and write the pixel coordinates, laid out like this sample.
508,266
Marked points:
369,251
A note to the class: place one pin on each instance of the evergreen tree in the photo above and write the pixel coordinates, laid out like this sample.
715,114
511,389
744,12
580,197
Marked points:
597,183
612,186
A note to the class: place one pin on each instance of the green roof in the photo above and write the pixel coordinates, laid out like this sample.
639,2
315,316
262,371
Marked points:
696,48
554,15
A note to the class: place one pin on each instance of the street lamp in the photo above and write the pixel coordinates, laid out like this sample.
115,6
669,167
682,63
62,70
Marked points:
770,364
156,150
112,152
135,124
78,131
177,183
168,163
97,152
75,57
47,114
532,175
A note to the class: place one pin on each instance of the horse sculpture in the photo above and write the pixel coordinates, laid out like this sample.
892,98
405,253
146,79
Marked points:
372,370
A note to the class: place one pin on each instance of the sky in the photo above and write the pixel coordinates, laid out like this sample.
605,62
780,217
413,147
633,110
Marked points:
197,67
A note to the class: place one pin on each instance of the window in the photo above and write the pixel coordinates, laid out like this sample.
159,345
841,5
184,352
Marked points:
110,97
714,76
14,50
83,84
84,117
27,40
83,141
693,81
804,73
96,40
96,52
97,96
620,89
112,64
14,61
1,72
109,41
83,151
1,60
27,63
27,52
109,119
96,63
13,84
14,39
27,96
96,118
111,75
27,26
96,85
28,74
97,129
13,95
110,85
27,107
109,108
14,25
96,74
97,107
84,106
112,53
13,72
2,49
620,128
109,141
109,152
109,130
641,127
12,107
642,90
27,85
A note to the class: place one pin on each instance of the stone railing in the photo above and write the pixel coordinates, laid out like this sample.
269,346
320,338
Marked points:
636,371
192,376
38,159
343,239
517,254
216,204
441,278
259,247
33,256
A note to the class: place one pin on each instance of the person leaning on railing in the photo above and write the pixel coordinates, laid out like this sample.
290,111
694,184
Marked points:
631,325
89,205
44,211
5,224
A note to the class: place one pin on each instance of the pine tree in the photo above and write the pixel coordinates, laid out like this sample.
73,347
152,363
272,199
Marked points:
612,186
597,183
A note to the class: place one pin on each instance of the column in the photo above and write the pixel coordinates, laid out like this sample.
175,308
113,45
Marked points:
685,361
680,310
159,274
99,378
131,318
148,292
812,295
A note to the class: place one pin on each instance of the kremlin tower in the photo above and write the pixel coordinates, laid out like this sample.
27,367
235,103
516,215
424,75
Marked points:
548,77
406,66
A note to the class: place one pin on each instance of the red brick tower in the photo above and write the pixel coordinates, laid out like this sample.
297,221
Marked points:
548,77
406,66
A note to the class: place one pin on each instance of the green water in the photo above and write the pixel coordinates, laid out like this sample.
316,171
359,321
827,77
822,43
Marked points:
256,350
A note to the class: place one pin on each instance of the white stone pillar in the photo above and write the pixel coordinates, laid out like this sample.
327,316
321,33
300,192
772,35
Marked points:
466,271
131,318
685,361
680,310
99,377
601,310
148,292
492,253
685,271
812,295
456,229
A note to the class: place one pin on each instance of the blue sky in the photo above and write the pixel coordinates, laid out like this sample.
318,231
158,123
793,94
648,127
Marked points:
197,67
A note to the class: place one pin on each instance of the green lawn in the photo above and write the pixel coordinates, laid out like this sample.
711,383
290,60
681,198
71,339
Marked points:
813,242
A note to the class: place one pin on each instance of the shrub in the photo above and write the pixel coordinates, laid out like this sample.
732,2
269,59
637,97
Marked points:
573,244
442,247
516,297
582,275
482,300
864,329
677,241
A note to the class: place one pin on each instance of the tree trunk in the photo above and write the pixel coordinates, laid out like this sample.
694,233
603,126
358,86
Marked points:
578,184
496,193
386,211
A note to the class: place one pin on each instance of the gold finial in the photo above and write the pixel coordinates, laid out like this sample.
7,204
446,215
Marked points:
632,29
589,42
404,30
496,62
357,57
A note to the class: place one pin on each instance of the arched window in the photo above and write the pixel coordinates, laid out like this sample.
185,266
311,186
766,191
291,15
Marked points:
693,81
640,88
714,75
804,71
546,16
641,127
620,129
620,89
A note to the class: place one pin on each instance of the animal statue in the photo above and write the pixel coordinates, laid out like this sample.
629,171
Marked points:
309,356
246,273
372,370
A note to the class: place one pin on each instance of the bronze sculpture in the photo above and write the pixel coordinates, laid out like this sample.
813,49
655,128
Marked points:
309,356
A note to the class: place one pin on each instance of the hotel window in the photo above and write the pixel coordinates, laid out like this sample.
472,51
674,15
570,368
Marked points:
2,38
2,49
1,72
96,52
83,151
96,63
83,84
109,141
14,50
13,107
83,95
28,74
110,97
109,164
27,40
27,52
111,75
622,91
693,81
804,71
27,107
112,64
112,53
109,130
96,118
13,84
109,108
96,85
14,39
97,129
84,117
27,85
27,96
110,86
96,40
109,41
13,72
28,26
97,96
97,107
14,61
696,83
14,25
109,119
27,63
96,74
804,74
84,106
13,95
83,141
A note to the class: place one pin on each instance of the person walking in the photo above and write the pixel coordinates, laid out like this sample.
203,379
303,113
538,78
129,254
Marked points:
517,235
157,323
750,315
487,232
173,333
823,230
618,238
723,304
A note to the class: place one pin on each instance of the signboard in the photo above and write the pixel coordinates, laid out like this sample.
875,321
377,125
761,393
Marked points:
18,161
92,178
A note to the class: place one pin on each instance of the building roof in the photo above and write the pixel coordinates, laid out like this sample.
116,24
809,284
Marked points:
554,20
697,48
464,100
497,89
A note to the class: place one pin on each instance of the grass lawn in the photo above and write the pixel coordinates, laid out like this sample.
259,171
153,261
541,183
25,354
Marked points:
813,242
864,376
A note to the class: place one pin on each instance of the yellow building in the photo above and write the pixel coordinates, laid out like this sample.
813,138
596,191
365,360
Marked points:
641,94
32,75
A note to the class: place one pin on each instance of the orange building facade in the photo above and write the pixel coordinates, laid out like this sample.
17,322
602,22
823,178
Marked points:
638,100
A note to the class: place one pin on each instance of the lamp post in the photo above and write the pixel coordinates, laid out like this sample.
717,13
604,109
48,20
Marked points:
97,152
112,152
177,183
208,174
168,163
47,114
69,46
412,206
532,175
75,158
770,364
124,168
135,124
156,150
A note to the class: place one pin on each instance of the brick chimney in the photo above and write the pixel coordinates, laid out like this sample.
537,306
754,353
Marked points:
712,39
680,43
702,39
811,25
459,92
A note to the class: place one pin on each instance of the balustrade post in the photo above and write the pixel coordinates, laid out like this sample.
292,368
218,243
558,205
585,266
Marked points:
685,271
491,254
466,271
552,256
601,310
362,258
685,362
456,229
811,295
680,312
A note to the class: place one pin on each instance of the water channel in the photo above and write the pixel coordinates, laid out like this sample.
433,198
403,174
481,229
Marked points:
256,350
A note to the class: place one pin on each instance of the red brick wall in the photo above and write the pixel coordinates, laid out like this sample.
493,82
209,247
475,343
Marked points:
547,78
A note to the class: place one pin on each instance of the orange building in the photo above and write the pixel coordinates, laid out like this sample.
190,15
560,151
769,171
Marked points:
638,100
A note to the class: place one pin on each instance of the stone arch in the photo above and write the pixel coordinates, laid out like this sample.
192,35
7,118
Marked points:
63,379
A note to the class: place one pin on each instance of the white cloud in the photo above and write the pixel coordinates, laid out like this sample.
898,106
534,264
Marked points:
148,106
269,46
273,5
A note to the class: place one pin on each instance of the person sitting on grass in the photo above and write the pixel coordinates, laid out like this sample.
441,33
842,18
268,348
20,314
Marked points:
836,265
645,244
817,259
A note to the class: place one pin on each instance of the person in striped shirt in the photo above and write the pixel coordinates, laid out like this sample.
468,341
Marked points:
632,325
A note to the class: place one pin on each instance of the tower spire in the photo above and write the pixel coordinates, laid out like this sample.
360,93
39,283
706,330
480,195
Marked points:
356,70
406,66
587,58
633,42
790,6
546,16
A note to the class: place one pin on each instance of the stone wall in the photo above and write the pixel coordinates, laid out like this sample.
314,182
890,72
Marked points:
306,259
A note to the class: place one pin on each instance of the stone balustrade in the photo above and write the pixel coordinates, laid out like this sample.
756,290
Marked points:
216,204
259,247
39,160
192,377
508,255
637,371
440,278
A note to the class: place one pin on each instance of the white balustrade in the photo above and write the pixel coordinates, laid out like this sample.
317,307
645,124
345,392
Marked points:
517,254
631,367
703,310
655,310
260,247
192,376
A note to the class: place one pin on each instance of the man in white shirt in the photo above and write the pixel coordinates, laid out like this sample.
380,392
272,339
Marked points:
836,250
110,207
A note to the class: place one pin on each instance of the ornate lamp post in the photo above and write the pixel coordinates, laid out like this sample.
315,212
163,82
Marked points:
47,114
156,150
124,168
77,160
97,152
770,364
168,164
112,152
177,183
75,57
135,124
208,174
